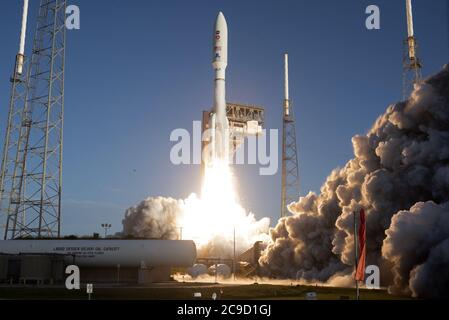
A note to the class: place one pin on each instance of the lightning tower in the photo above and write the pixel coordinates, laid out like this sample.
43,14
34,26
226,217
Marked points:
14,128
290,169
32,174
411,63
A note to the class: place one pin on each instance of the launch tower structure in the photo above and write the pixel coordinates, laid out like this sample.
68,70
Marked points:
31,176
245,120
290,168
411,64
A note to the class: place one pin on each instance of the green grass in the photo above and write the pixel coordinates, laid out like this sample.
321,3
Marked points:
185,291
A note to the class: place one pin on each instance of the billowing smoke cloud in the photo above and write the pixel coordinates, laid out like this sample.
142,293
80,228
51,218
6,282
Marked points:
153,218
402,160
417,244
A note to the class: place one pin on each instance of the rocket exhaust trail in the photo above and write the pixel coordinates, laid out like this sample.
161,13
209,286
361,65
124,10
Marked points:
220,136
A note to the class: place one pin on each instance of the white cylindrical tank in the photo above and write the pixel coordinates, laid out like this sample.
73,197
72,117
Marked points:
113,252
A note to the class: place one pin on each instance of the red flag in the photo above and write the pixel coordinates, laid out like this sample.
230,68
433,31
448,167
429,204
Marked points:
360,273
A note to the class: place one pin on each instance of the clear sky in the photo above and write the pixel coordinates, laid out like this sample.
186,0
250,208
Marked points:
136,70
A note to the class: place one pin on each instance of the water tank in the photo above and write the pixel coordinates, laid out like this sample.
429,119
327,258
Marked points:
35,267
3,267
110,252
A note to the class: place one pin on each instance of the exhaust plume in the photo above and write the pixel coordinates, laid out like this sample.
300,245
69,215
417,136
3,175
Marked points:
167,218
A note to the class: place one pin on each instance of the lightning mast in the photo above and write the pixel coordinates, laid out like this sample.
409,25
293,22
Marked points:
290,169
411,63
34,203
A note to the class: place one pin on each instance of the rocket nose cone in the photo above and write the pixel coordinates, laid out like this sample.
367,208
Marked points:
221,19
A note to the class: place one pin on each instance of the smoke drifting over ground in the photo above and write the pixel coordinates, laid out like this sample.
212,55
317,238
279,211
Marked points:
417,243
401,164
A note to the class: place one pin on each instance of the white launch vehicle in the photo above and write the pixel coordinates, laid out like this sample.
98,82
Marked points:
228,123
219,124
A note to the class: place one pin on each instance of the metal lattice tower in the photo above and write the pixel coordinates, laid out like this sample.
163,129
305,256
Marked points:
14,127
35,200
411,64
12,144
290,169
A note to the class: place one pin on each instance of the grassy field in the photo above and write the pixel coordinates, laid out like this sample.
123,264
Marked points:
185,291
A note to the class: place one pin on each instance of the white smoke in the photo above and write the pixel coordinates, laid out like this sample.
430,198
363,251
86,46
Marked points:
402,160
417,245
153,218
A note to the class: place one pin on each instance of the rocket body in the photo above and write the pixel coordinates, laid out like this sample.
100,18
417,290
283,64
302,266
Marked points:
219,63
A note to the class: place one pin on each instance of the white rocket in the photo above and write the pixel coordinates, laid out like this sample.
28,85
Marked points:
219,142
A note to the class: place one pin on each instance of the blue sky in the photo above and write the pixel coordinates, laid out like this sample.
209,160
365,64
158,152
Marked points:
136,70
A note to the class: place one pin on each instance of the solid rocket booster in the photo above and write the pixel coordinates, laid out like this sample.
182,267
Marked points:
21,54
220,62
411,35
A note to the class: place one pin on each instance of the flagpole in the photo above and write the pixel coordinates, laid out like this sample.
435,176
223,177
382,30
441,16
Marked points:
355,256
233,261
